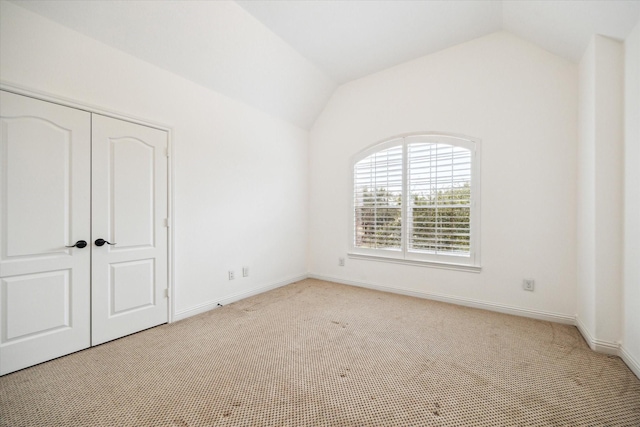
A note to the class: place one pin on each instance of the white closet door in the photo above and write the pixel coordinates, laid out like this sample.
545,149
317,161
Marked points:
129,208
45,207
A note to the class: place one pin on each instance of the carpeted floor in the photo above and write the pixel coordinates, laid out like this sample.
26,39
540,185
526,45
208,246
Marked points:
322,354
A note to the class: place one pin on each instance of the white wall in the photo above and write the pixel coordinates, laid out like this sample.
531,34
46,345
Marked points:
586,292
239,57
600,191
631,336
240,175
246,182
522,102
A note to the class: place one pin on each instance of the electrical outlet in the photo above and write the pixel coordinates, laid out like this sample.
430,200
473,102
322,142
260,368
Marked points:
232,275
245,271
527,285
341,262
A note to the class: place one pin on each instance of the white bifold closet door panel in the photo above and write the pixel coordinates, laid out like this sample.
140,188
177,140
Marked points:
83,229
129,211
45,190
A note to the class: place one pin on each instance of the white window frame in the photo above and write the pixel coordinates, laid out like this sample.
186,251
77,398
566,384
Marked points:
403,255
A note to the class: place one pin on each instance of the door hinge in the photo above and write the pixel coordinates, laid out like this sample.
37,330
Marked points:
166,222
166,293
166,151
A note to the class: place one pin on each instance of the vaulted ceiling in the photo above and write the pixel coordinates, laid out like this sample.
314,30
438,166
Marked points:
287,57
350,39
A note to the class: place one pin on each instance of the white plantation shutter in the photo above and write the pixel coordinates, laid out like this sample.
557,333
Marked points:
378,200
416,198
439,187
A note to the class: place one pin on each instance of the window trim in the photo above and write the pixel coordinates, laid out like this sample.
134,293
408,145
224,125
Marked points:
402,255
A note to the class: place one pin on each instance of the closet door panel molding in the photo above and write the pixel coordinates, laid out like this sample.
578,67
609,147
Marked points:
129,210
45,208
73,173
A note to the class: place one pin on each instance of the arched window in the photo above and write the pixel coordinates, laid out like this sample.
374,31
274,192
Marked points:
416,199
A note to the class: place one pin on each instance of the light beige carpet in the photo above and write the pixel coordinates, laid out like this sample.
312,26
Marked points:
321,354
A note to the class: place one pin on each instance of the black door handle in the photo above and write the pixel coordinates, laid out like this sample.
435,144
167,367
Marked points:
79,244
100,242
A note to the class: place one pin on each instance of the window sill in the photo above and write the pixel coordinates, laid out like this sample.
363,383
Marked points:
423,263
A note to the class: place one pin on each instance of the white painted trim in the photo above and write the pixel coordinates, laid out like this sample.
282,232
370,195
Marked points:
601,346
596,345
631,362
467,302
210,305
78,105
606,347
68,102
584,332
172,234
418,262
402,255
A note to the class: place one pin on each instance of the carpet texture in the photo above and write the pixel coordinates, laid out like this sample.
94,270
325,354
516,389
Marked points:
315,353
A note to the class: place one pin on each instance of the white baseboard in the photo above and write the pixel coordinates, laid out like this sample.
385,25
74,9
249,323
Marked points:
585,333
210,305
468,302
631,362
601,346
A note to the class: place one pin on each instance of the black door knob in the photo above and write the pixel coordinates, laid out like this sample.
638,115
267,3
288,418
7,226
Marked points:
79,244
100,242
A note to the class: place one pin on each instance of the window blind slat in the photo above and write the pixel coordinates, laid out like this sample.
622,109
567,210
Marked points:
439,178
438,199
378,199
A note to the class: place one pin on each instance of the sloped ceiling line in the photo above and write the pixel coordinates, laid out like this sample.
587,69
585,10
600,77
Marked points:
287,57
